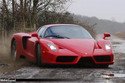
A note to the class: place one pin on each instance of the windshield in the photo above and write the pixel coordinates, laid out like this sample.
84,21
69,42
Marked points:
67,31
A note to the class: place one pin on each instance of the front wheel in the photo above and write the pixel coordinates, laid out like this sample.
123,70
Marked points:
38,55
13,50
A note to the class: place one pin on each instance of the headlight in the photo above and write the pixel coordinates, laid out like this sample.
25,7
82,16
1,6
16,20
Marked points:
108,47
52,46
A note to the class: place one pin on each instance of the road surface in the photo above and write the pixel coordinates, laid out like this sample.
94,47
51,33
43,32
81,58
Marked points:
114,74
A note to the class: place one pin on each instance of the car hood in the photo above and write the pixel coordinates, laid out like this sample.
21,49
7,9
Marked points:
78,46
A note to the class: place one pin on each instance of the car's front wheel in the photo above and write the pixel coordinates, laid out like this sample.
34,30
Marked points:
38,55
13,50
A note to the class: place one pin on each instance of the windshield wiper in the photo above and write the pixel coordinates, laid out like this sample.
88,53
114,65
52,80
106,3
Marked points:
57,36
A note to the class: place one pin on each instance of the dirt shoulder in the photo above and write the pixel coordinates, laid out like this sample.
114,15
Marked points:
120,35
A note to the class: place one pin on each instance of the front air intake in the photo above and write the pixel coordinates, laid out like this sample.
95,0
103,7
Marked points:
86,61
102,58
65,58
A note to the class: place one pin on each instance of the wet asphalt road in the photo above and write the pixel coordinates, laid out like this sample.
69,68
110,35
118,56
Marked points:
114,74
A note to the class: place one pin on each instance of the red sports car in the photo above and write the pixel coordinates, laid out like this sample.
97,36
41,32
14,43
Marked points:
62,44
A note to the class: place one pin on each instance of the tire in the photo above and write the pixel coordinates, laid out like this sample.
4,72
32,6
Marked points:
13,50
38,55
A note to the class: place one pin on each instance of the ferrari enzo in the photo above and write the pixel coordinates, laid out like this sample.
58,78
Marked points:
62,44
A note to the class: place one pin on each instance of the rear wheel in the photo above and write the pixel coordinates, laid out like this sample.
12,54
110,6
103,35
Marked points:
13,50
38,55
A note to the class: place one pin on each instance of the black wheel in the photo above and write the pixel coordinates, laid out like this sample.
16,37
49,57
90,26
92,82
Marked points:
13,50
38,55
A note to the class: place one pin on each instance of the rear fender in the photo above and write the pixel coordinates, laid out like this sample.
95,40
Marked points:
21,40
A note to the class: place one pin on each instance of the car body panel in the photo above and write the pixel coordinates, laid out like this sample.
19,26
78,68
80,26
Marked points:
67,49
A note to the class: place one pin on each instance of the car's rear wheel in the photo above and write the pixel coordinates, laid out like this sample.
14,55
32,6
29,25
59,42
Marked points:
13,50
38,55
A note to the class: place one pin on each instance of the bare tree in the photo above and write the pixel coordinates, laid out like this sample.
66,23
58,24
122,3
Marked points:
24,13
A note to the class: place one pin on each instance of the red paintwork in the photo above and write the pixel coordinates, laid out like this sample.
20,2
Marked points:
66,47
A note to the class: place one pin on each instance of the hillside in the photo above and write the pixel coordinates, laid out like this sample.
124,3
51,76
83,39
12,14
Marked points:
102,25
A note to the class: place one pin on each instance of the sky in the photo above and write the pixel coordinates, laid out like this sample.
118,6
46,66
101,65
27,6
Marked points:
102,9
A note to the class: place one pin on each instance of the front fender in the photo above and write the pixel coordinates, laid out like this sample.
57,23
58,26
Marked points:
102,43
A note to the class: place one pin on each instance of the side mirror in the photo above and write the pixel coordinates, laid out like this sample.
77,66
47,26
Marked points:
105,35
34,35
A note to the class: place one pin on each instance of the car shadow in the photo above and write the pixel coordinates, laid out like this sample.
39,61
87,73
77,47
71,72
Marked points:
51,66
76,66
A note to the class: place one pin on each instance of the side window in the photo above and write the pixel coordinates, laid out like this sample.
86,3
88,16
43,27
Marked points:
48,32
41,30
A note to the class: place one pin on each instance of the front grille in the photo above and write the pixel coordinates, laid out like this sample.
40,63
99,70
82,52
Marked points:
65,58
86,61
102,58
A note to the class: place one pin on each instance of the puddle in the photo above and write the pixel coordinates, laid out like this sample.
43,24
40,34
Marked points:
109,76
116,43
119,75
119,48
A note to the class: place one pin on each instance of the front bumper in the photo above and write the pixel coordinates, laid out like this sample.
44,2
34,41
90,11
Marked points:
99,56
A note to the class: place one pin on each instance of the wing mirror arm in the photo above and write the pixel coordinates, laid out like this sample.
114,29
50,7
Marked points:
35,35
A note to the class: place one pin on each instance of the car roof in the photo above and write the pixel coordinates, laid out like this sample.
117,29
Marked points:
50,25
